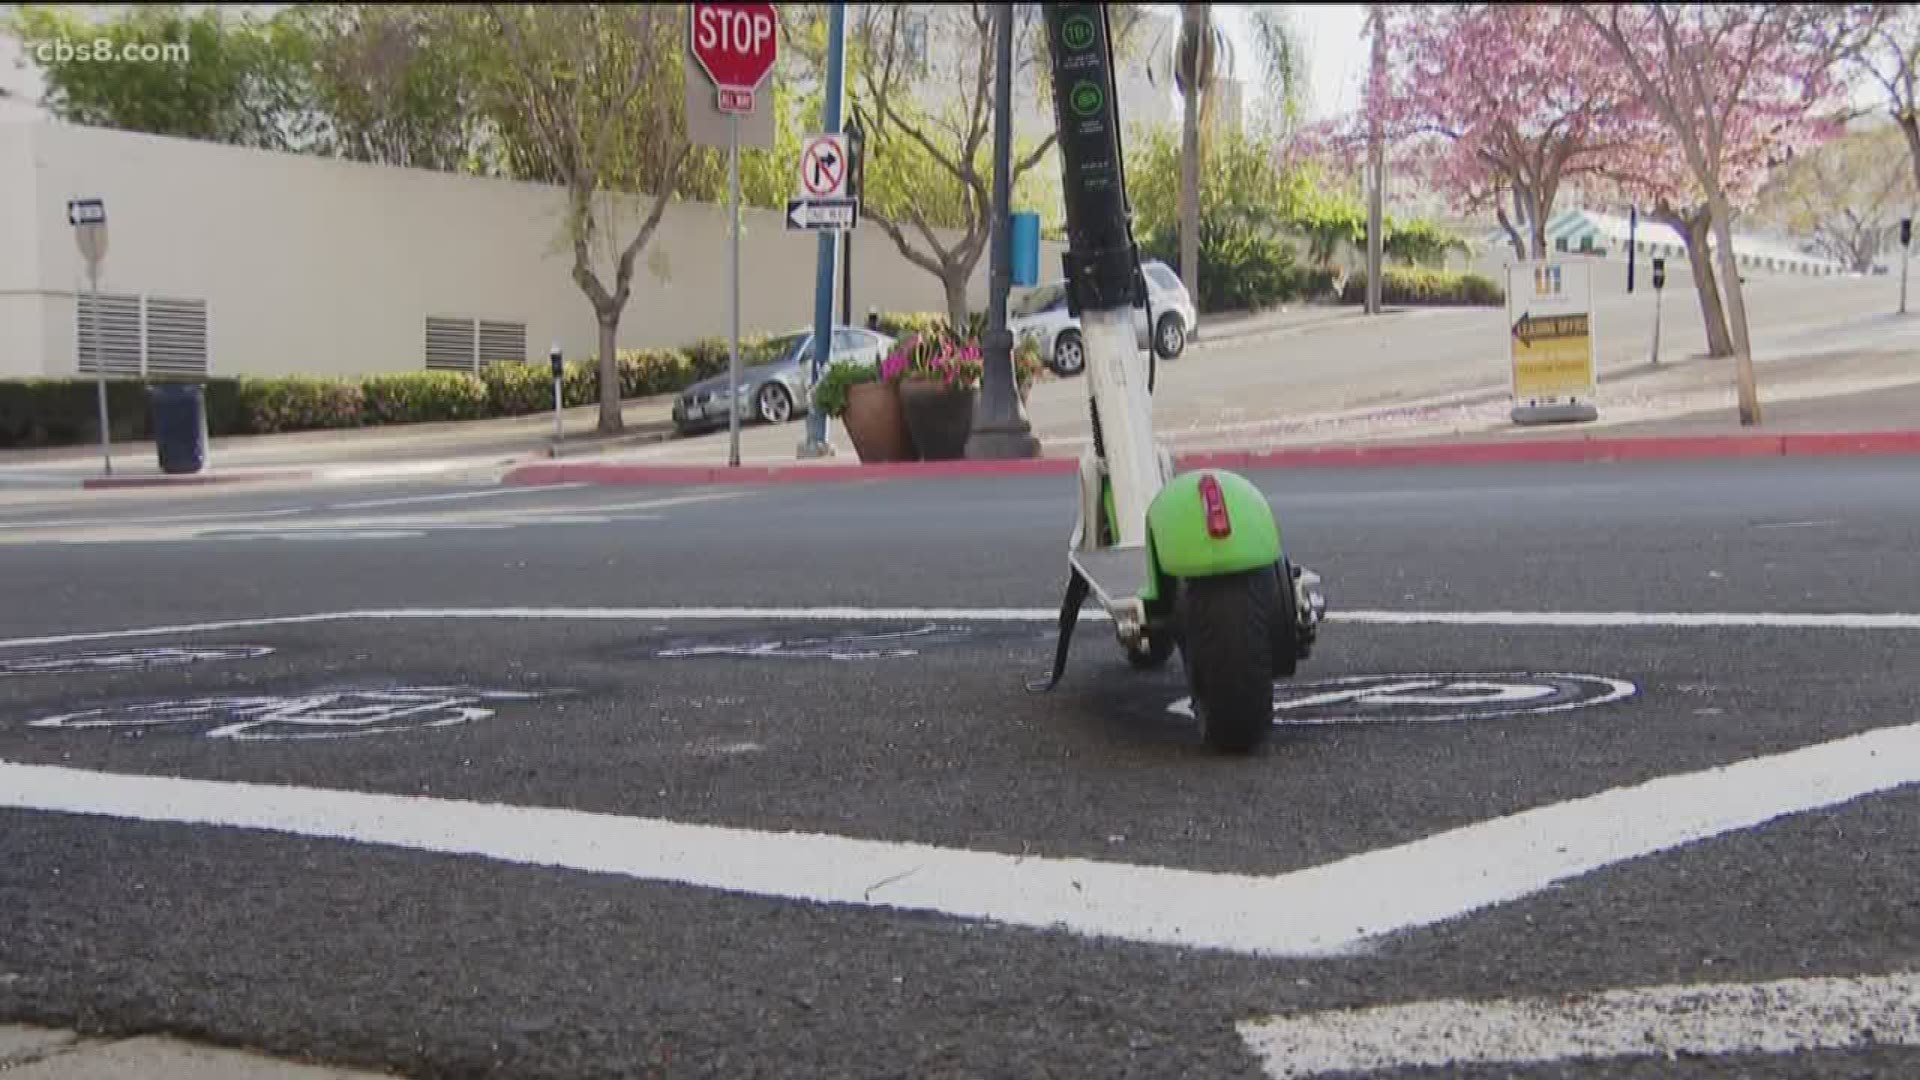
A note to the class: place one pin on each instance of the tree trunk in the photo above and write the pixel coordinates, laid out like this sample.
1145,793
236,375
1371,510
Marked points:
1722,216
1194,31
955,283
1693,229
611,421
1513,235
1537,226
1910,127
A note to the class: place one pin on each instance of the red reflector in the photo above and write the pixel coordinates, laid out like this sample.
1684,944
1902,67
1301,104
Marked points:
1216,504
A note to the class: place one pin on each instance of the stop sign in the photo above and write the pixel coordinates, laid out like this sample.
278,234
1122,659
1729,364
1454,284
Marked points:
736,43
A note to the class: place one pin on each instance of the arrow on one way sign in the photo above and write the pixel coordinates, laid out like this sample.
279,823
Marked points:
814,214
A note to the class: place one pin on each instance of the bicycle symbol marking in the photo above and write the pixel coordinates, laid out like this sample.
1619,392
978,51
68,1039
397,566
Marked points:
1434,697
326,715
122,659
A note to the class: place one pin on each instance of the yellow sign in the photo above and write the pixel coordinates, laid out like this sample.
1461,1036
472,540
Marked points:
1550,338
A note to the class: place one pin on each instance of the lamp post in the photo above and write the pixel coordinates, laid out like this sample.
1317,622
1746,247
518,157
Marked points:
1000,427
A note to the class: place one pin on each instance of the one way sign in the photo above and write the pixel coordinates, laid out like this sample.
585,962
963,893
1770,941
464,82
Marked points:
822,214
823,167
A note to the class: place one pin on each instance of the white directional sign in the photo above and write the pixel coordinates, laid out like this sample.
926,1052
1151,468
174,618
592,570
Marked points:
820,214
823,167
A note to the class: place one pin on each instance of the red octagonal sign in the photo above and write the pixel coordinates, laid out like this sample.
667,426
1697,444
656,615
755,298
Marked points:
736,43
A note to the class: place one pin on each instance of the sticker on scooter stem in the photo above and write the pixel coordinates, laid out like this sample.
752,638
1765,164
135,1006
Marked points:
1435,697
77,663
325,715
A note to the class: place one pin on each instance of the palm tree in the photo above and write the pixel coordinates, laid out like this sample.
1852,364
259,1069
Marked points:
1203,59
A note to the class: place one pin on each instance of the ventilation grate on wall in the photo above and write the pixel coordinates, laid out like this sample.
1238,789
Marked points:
118,336
450,344
503,342
176,337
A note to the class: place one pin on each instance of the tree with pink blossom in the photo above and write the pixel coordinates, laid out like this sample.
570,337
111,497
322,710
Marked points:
1499,106
1736,88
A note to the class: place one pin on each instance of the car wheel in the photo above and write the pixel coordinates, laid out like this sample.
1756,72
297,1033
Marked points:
1069,353
774,404
1170,336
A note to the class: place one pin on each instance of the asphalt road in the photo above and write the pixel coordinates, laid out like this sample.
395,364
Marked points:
513,683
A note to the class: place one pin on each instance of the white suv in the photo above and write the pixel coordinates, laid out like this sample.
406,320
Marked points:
1042,315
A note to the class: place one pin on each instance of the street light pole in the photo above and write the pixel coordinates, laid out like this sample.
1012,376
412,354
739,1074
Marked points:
816,444
1000,427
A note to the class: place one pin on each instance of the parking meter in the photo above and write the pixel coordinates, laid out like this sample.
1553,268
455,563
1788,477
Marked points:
1659,273
559,376
1906,231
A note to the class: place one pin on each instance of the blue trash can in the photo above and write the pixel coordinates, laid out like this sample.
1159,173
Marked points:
179,426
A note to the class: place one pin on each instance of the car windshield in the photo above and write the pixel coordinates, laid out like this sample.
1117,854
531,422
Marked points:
1042,298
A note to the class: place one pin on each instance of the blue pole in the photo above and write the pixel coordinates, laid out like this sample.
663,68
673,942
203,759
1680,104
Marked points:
816,444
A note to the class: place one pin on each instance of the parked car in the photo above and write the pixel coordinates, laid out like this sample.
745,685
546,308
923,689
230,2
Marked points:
1042,315
773,392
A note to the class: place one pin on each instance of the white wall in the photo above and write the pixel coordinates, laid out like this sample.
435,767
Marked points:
316,266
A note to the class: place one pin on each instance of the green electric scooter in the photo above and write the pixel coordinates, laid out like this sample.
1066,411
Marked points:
1189,562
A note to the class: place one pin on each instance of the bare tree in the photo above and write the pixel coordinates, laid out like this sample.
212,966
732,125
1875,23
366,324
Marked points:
590,95
1891,54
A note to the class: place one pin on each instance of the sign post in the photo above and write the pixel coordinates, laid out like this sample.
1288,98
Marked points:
736,44
89,220
816,444
1550,342
1659,285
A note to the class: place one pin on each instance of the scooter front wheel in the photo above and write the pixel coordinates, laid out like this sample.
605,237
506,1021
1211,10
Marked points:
1227,625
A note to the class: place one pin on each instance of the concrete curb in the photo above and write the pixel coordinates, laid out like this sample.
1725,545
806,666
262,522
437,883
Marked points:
1540,451
195,479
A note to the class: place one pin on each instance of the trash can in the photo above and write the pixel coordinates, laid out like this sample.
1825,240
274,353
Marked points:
179,426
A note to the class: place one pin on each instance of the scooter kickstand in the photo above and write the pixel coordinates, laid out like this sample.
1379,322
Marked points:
1077,590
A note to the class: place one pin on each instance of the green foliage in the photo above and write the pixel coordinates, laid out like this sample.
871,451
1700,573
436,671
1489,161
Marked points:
830,394
1314,282
1326,220
1417,287
210,74
62,412
711,356
394,87
1239,183
299,403
1419,242
412,397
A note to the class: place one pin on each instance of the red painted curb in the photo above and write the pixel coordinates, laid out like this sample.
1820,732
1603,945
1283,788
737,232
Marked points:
1534,451
197,480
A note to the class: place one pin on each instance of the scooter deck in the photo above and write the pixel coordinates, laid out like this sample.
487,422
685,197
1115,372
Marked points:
1117,574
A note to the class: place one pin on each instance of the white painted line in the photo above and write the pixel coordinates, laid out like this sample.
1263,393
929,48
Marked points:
242,515
1634,619
487,493
1796,524
1564,619
1761,1018
1327,910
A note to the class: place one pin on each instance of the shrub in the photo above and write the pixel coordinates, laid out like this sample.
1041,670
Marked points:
830,395
1315,282
1240,267
65,412
517,389
298,403
413,397
1426,288
710,356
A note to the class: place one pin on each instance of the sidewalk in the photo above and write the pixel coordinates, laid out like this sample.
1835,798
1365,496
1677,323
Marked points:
31,1053
471,449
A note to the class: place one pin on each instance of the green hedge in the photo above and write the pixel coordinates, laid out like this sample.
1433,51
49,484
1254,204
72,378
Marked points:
60,412
1413,287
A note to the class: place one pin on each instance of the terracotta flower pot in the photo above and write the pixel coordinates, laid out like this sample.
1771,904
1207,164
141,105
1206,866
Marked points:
939,418
877,424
